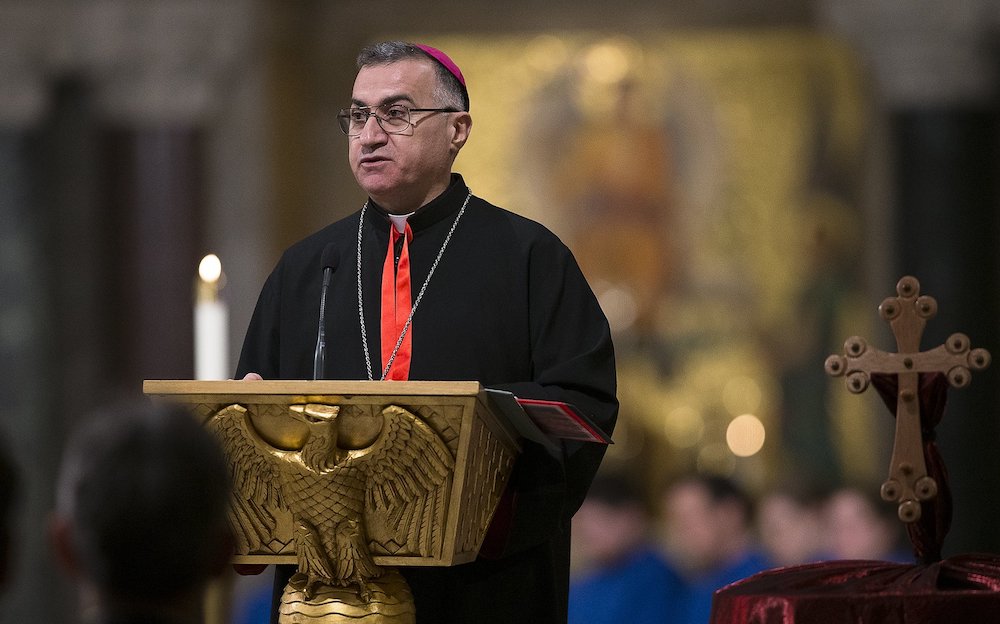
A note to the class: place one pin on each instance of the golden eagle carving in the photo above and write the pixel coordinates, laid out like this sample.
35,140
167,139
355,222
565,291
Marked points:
355,478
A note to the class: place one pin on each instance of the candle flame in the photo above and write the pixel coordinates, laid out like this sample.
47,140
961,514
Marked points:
210,268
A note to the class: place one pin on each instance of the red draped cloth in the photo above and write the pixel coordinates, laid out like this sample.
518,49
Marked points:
964,588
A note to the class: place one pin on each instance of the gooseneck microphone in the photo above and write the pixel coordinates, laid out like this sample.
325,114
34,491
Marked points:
330,260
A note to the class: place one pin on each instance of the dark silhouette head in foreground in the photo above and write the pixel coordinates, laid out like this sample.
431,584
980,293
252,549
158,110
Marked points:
140,518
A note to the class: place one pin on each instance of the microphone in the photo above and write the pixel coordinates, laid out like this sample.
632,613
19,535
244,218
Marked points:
330,260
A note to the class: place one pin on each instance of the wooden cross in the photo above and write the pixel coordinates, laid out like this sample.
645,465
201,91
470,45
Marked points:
907,314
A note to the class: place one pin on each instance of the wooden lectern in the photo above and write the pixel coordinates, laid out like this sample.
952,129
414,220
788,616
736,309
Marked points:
345,478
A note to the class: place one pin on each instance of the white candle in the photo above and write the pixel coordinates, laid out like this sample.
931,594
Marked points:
211,323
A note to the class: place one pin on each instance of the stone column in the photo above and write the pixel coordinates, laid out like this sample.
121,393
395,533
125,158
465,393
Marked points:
164,71
106,112
31,354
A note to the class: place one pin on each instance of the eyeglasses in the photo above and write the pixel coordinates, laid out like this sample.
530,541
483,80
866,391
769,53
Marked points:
392,118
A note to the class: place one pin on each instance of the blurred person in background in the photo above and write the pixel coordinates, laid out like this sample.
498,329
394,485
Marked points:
140,520
624,577
790,524
860,525
709,531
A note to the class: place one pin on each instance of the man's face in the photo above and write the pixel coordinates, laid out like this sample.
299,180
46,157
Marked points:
402,172
692,525
855,530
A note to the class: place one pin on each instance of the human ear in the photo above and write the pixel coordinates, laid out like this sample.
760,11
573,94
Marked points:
461,125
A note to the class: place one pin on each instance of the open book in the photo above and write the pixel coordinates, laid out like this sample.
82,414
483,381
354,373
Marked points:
546,422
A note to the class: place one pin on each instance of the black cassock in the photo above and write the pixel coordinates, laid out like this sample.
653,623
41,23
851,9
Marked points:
506,306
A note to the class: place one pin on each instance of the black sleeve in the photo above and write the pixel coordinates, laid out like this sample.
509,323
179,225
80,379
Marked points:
260,353
573,361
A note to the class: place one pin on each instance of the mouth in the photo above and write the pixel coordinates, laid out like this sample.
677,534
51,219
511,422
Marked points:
372,160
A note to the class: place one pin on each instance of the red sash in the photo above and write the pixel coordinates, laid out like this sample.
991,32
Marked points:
396,305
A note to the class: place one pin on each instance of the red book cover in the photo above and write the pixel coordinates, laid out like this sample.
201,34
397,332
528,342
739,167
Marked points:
562,420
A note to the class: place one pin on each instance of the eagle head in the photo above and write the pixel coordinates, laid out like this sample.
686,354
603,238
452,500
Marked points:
319,451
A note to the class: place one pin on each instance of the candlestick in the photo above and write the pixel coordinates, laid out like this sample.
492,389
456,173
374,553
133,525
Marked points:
211,322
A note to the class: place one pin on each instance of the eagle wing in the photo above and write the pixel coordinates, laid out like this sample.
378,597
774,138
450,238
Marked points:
408,469
256,494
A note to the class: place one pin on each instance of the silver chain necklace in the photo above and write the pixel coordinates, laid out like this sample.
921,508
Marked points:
420,295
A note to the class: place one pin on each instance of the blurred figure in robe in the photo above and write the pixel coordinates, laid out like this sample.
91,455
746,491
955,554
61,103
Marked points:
709,529
624,577
860,525
790,523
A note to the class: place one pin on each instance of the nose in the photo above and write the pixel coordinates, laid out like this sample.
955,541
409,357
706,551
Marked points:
372,132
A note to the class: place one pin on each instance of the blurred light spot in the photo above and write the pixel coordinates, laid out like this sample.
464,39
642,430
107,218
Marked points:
745,435
684,427
607,62
741,395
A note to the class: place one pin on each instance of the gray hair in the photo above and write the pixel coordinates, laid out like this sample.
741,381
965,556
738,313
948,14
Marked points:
449,90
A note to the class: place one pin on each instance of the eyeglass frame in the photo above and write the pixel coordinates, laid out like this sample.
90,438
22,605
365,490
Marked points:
343,117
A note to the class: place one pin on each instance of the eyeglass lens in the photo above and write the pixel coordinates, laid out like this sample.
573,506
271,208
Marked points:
391,117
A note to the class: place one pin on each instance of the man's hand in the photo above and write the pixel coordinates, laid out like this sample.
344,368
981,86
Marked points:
252,377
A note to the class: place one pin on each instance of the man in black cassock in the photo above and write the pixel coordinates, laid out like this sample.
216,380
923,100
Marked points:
448,287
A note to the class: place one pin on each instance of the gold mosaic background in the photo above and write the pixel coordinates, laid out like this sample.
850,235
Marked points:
709,185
